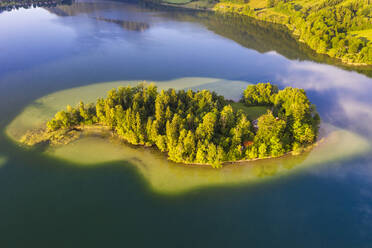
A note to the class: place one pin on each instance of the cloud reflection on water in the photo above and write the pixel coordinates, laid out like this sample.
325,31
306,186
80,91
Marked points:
359,114
350,105
320,77
347,94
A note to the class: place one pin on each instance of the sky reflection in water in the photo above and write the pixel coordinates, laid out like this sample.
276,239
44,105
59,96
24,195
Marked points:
81,47
48,50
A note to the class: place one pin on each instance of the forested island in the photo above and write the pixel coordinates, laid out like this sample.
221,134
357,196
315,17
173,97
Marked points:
194,127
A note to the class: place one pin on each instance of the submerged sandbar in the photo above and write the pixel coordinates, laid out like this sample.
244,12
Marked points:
165,176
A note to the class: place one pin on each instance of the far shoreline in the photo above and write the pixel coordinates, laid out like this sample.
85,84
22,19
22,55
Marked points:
212,9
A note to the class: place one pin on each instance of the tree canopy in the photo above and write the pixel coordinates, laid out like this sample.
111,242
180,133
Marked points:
201,126
338,28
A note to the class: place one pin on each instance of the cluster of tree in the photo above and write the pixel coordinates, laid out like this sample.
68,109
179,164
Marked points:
201,127
273,3
8,5
327,26
293,122
261,36
260,94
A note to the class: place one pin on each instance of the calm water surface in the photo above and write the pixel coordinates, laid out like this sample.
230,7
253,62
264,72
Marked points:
50,203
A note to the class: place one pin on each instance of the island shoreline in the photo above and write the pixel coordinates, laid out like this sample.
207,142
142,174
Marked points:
103,131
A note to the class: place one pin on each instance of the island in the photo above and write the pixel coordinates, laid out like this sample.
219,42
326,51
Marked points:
194,127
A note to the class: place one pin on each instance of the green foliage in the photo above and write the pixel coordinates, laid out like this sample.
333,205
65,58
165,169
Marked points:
270,3
252,112
200,127
259,94
292,120
326,26
328,29
15,4
177,1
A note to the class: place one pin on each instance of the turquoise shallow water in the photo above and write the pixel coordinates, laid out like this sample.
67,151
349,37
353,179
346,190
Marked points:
49,202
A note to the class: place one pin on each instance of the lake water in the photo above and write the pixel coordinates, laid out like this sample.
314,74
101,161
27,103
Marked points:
51,202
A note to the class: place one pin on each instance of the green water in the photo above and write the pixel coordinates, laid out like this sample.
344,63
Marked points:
164,176
97,192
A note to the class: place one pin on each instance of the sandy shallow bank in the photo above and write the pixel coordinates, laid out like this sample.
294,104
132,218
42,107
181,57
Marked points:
97,148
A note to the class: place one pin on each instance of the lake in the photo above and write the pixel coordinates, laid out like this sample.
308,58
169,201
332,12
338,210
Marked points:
136,198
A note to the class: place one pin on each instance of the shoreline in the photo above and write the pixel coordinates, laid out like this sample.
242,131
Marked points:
102,131
215,131
263,18
275,18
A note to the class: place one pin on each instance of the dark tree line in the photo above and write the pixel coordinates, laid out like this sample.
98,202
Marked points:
8,5
328,26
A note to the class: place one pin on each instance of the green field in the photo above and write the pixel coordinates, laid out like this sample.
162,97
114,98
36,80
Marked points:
364,34
252,112
177,1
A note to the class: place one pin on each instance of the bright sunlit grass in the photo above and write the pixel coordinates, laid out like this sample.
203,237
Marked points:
177,1
257,4
364,33
252,112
